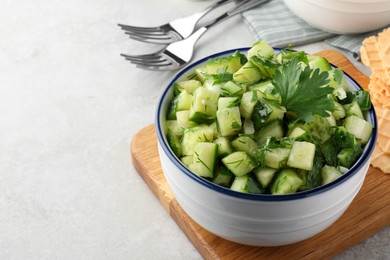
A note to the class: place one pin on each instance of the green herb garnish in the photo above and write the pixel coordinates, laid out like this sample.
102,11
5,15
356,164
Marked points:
303,91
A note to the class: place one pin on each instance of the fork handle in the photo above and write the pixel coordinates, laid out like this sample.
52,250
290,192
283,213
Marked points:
188,23
239,8
186,46
242,6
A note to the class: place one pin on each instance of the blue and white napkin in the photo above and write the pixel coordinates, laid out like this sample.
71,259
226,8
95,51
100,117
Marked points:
278,26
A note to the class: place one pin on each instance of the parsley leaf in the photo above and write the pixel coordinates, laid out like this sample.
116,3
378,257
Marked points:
222,76
303,91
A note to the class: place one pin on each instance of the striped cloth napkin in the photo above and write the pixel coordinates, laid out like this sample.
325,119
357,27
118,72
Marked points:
278,26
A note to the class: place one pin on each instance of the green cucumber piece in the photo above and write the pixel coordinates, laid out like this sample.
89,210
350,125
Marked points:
205,157
204,106
229,64
302,155
248,73
232,89
248,102
276,157
229,121
188,85
329,174
239,163
192,135
247,184
224,146
287,181
228,102
273,128
183,119
317,62
260,48
354,109
245,143
264,175
266,110
360,128
222,176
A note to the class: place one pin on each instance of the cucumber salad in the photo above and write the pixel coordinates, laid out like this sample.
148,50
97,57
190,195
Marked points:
273,122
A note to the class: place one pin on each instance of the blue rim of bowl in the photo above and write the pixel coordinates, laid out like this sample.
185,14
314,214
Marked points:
369,148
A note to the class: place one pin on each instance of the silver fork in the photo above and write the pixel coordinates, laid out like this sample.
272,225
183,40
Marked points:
179,53
173,31
170,32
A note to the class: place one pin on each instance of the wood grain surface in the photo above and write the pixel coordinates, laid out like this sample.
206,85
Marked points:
368,213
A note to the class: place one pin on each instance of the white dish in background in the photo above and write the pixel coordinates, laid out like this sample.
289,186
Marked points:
342,16
257,219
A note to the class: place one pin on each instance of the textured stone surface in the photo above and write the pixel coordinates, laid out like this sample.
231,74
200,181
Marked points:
69,106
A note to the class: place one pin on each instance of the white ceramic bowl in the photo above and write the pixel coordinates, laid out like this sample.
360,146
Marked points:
257,219
343,16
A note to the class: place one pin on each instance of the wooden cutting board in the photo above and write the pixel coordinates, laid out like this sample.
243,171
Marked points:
368,213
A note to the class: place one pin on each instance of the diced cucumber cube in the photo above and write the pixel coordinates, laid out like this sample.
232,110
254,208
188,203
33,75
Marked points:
182,119
228,102
287,181
205,156
348,156
246,183
264,175
297,133
184,101
360,128
248,102
239,163
329,174
222,176
171,114
187,160
245,143
224,146
240,184
248,127
273,128
339,111
201,73
248,73
363,99
188,85
173,127
261,48
276,157
232,89
174,143
320,63
229,64
302,155
229,121
354,109
266,110
263,86
201,133
204,105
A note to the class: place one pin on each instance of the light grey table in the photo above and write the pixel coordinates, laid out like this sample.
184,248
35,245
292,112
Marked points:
69,107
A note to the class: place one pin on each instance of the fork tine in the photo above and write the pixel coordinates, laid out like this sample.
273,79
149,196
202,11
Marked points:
145,32
142,29
140,37
155,68
159,63
148,35
156,59
152,56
